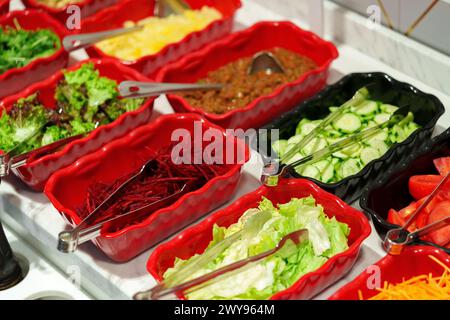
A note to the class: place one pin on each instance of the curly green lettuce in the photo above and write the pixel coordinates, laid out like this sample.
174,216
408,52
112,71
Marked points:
85,99
24,119
19,47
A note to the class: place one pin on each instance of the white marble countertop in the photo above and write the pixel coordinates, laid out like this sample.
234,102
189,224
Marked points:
41,280
33,217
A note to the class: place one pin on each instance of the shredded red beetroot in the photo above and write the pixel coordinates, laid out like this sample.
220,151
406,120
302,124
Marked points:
166,179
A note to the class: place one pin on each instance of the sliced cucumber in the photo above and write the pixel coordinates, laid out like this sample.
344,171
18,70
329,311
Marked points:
335,161
347,123
341,155
368,154
379,145
295,139
315,145
311,172
382,117
308,127
280,147
383,136
365,108
398,134
321,165
298,129
350,167
353,151
371,124
388,108
333,133
294,158
333,109
326,169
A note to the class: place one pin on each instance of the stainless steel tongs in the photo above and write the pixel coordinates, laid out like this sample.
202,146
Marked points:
397,239
163,8
274,170
355,101
163,291
90,227
138,89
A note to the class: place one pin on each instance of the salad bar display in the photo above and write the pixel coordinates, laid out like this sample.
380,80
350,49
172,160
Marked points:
127,179
265,104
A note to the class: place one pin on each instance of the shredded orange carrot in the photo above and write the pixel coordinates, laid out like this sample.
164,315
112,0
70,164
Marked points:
421,287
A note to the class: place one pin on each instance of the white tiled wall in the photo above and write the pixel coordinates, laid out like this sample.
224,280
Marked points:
434,30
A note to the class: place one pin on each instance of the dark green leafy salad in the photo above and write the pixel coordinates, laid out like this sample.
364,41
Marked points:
84,101
18,47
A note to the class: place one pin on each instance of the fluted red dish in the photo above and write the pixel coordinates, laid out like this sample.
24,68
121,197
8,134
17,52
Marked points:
4,6
150,64
86,7
195,239
16,79
413,261
67,188
261,36
36,172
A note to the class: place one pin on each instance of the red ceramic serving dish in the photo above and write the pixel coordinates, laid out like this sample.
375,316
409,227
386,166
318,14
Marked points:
114,16
17,79
36,173
413,261
4,6
261,36
195,239
67,188
87,8
150,64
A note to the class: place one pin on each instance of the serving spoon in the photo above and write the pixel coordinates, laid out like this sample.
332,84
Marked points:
265,61
261,61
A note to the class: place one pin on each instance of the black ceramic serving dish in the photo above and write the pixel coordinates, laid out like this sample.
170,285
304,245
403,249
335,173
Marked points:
426,108
392,190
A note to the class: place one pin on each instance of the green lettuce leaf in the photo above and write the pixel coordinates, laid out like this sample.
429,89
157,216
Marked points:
327,237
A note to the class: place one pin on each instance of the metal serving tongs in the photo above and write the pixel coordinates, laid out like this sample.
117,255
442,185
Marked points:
85,231
251,228
163,8
162,292
138,89
274,170
7,159
355,101
397,239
